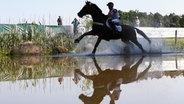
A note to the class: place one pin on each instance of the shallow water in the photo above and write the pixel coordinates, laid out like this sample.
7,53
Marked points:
48,80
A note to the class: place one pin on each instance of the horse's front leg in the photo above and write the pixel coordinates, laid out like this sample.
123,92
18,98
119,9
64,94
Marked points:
96,45
82,36
144,72
97,66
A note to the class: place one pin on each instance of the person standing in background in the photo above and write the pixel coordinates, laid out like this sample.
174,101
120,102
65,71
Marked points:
137,21
75,23
59,21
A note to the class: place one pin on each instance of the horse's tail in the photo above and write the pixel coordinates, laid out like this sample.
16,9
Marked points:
143,34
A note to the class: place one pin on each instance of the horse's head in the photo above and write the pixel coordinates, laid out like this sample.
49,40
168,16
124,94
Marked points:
90,99
89,8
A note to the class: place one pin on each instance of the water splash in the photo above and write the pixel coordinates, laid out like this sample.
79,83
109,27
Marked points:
118,47
158,44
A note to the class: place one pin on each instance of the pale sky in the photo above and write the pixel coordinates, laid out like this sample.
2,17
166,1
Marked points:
47,11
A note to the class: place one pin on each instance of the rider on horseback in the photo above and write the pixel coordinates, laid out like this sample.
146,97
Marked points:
113,16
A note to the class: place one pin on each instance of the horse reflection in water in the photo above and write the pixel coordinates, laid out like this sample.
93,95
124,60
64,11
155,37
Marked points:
107,82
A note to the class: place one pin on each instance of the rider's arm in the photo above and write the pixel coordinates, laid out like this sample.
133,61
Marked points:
112,13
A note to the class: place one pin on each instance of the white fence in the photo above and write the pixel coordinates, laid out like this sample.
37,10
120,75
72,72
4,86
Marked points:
162,32
149,31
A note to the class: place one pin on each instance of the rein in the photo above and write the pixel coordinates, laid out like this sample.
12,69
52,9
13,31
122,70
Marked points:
98,23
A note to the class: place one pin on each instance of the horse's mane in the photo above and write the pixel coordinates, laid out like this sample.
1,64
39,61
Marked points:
96,8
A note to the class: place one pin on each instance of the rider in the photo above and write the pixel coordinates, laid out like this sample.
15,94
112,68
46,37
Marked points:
113,15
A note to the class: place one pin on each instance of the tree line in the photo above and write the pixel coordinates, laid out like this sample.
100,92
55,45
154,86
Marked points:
152,19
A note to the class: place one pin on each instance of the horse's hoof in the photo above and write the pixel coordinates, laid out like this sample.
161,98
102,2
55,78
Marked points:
81,96
77,41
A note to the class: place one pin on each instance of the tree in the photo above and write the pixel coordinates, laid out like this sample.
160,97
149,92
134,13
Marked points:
174,20
182,21
157,19
166,21
147,20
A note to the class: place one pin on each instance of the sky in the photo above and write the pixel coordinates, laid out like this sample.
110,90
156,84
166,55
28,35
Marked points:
47,11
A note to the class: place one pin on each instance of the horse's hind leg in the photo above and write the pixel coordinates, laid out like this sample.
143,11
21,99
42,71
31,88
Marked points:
139,45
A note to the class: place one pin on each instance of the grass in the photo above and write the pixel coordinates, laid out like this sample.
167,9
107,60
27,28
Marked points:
176,45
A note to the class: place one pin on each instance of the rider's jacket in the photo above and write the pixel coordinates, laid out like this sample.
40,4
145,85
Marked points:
113,14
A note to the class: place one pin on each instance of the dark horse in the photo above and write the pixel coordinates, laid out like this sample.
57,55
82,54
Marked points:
100,29
108,81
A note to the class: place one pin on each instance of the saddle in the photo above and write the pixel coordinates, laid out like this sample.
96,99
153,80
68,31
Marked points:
114,26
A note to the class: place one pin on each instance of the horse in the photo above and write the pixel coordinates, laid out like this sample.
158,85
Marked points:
109,80
99,28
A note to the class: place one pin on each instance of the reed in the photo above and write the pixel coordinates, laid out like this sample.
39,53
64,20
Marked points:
31,67
11,40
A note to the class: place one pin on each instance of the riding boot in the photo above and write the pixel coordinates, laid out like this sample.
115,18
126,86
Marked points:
113,26
115,31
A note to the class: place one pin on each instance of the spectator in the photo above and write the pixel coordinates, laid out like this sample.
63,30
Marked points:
137,21
158,23
75,23
59,21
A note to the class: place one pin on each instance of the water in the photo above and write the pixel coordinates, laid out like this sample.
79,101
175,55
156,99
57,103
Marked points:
156,78
53,80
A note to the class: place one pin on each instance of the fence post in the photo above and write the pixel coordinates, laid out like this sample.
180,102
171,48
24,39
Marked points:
176,37
176,62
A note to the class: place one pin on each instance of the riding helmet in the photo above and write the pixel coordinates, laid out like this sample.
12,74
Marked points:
110,4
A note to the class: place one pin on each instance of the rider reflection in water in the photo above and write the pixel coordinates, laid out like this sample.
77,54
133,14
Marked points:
113,15
108,81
